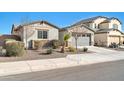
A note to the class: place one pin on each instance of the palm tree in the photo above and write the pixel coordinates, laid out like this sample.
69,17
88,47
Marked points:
66,38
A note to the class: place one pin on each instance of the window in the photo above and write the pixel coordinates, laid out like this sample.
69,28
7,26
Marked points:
95,26
98,26
42,34
115,26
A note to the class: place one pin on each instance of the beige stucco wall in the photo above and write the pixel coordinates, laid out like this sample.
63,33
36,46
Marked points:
98,21
104,26
61,35
101,39
114,21
113,39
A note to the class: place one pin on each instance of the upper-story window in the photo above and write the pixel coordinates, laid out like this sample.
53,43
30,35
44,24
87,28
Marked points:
115,26
98,26
42,34
95,26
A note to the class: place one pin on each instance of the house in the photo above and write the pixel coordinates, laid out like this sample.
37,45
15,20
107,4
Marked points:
38,30
107,30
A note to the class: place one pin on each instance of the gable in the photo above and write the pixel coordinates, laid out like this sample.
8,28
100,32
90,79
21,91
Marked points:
41,25
99,20
80,29
115,21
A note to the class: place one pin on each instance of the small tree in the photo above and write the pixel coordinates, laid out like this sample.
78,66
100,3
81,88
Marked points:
66,38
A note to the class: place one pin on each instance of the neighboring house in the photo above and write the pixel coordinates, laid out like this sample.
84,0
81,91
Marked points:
4,37
107,30
39,30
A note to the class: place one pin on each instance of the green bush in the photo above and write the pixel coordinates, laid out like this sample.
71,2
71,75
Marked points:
15,49
71,49
2,51
55,44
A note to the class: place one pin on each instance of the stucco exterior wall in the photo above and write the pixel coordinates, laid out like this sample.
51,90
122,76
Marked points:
104,26
113,39
97,22
114,21
61,35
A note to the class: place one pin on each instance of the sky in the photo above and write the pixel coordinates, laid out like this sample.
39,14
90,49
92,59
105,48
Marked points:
60,19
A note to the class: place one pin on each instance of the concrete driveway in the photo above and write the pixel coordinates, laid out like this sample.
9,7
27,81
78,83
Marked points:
99,55
100,50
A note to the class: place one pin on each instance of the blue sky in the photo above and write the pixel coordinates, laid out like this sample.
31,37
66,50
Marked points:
60,19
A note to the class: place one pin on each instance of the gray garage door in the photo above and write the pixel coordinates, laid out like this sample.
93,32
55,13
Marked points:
81,41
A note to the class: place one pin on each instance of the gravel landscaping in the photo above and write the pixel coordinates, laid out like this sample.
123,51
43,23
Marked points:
35,54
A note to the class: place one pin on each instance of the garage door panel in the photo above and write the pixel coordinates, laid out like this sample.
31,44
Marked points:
114,40
81,41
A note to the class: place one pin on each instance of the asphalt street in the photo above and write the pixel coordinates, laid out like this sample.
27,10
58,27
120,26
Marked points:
108,71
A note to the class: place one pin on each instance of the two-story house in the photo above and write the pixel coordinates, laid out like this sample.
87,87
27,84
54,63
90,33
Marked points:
101,31
107,30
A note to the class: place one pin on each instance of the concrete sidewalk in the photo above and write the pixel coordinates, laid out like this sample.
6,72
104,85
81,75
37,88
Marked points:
10,68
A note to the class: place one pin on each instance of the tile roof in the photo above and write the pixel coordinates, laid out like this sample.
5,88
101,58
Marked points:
90,19
37,22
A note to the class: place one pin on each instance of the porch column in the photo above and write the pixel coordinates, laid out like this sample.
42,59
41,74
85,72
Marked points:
92,39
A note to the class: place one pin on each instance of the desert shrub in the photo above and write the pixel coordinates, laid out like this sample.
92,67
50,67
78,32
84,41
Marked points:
15,48
55,44
49,51
9,40
71,49
113,45
2,51
37,44
85,49
1,48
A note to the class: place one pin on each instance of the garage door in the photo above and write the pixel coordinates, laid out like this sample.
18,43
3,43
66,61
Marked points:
81,41
114,39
